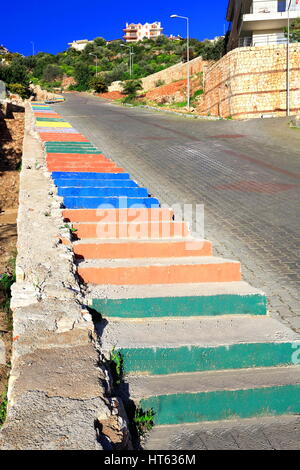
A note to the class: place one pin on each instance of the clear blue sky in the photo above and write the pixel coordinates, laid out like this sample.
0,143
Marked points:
52,24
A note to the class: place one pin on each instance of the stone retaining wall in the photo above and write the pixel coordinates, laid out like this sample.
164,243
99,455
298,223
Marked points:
251,81
171,74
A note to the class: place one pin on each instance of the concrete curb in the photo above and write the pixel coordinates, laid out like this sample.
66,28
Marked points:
58,388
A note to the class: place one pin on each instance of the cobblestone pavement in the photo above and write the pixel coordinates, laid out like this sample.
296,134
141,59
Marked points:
247,175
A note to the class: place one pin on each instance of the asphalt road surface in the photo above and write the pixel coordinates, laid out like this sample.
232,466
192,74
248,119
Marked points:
247,175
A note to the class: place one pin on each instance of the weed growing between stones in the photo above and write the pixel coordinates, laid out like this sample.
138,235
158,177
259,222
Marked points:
3,408
116,366
143,420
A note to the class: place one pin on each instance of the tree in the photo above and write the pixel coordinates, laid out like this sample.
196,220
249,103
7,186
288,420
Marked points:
83,75
51,73
98,84
100,41
294,30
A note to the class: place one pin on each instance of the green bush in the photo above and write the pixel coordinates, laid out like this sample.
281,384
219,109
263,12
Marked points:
99,84
131,87
19,89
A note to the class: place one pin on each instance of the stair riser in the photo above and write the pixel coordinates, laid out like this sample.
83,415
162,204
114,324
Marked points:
85,169
96,183
89,175
132,230
103,192
118,215
225,272
181,306
142,250
109,202
223,405
161,361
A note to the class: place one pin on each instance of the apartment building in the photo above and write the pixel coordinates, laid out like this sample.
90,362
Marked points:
137,32
259,22
79,45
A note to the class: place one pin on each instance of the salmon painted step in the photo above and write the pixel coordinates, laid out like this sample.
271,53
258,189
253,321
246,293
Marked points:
192,398
207,343
93,249
75,164
159,271
118,215
52,137
132,230
109,202
177,300
101,167
84,169
84,175
65,157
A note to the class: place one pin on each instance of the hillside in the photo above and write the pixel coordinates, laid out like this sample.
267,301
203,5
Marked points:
74,70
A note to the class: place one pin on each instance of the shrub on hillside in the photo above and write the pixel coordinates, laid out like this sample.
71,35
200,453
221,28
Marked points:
19,89
99,84
131,87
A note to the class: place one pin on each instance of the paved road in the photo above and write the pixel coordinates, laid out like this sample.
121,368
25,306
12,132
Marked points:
247,175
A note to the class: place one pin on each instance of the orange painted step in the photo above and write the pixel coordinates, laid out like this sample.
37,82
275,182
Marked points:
51,137
117,215
73,167
85,169
75,155
78,157
132,230
159,271
48,115
80,161
143,249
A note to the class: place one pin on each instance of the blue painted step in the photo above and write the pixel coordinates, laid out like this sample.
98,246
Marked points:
95,183
110,202
86,175
103,192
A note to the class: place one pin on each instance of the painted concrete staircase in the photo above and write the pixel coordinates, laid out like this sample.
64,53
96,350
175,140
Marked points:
196,341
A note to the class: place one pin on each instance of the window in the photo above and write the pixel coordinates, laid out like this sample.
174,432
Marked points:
281,5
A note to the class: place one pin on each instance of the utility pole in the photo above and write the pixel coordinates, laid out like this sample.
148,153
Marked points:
288,63
188,86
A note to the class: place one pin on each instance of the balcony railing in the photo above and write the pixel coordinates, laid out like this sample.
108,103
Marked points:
271,6
261,40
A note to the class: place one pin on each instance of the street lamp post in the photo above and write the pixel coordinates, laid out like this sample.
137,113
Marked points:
188,91
32,47
288,62
130,58
96,62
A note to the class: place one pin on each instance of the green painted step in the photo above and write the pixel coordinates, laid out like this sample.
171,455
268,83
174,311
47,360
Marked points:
73,150
50,119
223,405
174,360
232,304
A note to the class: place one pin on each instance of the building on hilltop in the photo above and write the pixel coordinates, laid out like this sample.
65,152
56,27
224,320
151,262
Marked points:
80,44
259,22
137,32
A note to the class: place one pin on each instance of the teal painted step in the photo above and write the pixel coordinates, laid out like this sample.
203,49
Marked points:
220,405
74,150
50,119
255,304
66,142
158,361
